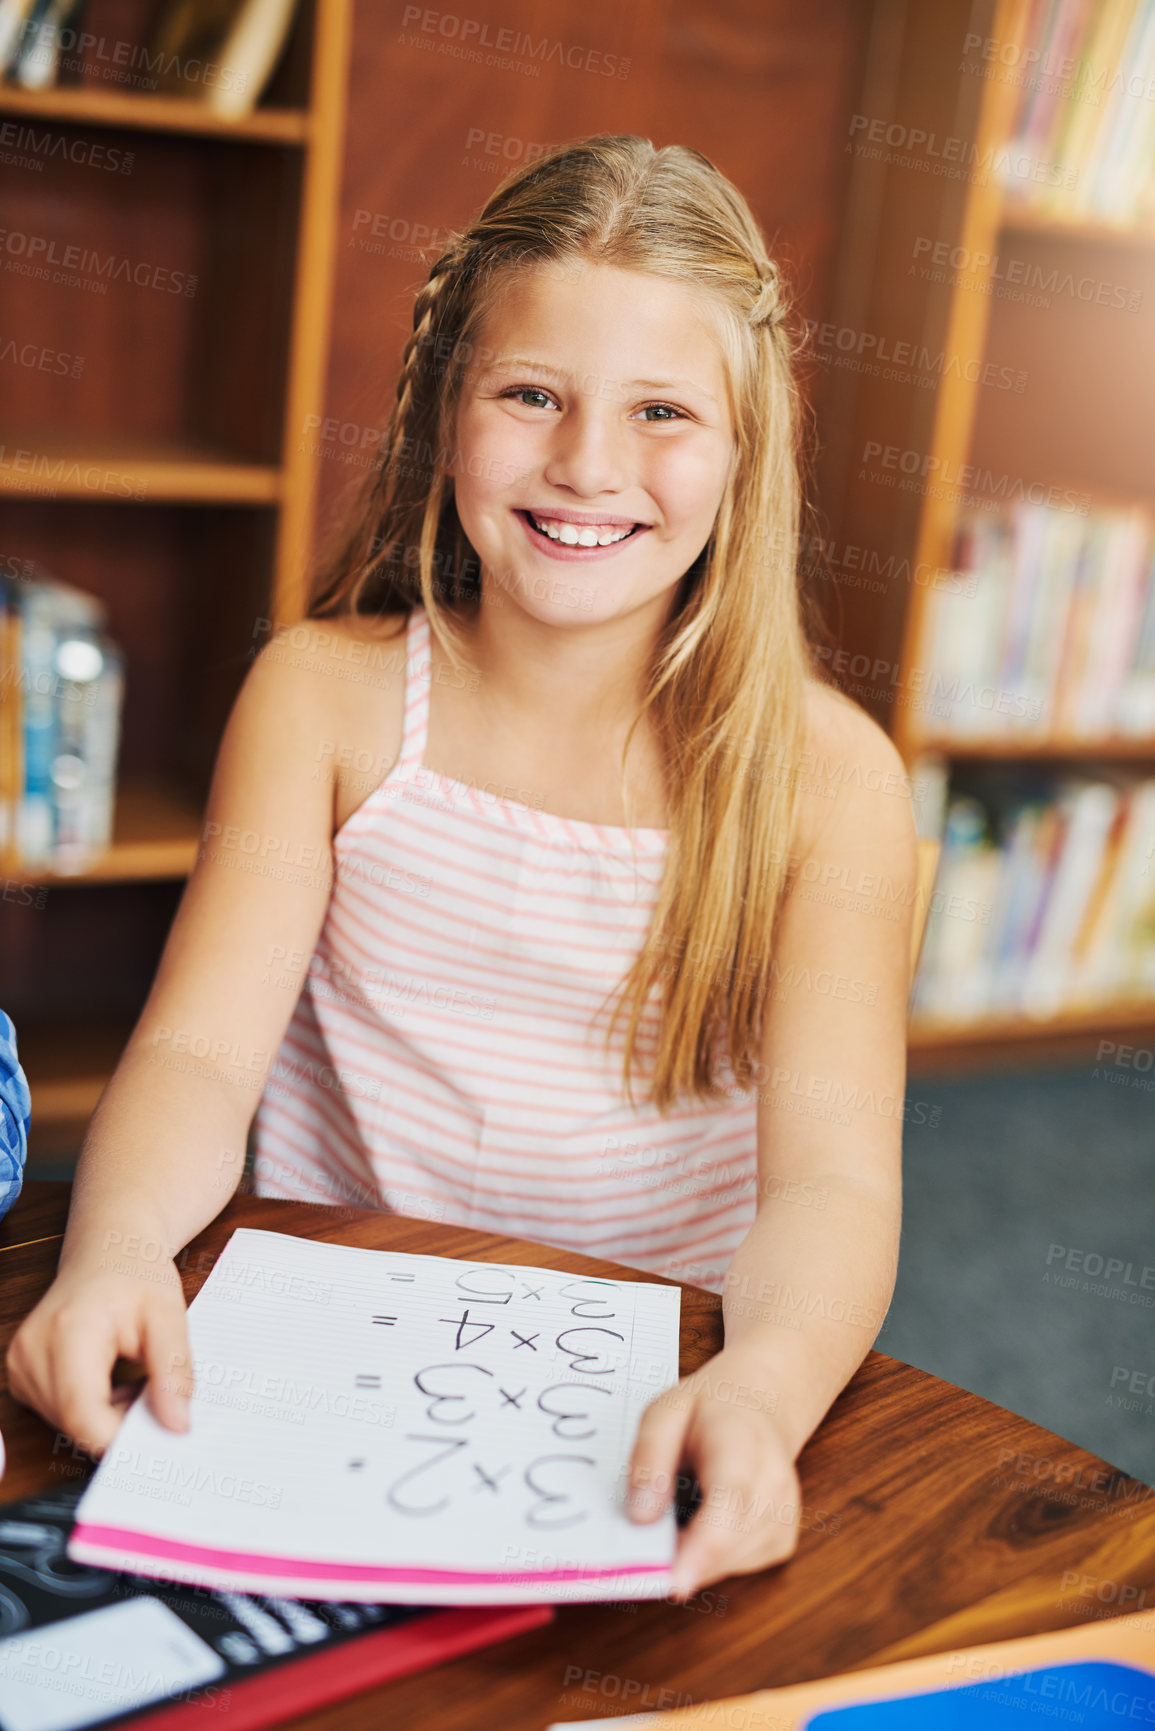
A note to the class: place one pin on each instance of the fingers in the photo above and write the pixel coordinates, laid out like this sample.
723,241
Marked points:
748,1517
657,1453
61,1361
71,1382
165,1350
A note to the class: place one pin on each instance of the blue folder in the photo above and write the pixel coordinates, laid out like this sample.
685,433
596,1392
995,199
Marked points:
1094,1696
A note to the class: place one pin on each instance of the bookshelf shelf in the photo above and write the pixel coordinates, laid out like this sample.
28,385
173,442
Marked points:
1117,748
68,1065
927,1033
95,107
1022,219
155,833
155,472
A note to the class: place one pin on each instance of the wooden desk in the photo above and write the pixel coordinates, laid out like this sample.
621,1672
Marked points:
933,1520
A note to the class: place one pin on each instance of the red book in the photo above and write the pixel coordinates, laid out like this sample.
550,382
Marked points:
297,1687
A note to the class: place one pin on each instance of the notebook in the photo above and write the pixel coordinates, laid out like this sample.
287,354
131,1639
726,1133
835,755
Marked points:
1098,1677
368,1425
82,1646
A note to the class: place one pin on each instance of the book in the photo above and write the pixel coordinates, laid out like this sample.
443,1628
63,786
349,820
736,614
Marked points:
1098,1676
14,15
1089,809
1085,112
34,61
1055,637
1115,958
90,685
1045,898
250,52
368,1425
1020,893
92,1647
187,34
949,975
61,695
241,40
1136,708
1125,564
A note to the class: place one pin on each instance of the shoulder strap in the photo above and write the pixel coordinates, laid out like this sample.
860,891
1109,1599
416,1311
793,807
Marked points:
417,683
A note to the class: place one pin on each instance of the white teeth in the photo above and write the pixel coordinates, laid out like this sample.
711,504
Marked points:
571,536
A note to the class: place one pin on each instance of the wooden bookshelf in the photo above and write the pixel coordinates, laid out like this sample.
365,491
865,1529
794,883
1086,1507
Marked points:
1001,1041
1114,748
166,472
1093,437
155,834
139,111
68,1063
1017,218
1125,1014
172,479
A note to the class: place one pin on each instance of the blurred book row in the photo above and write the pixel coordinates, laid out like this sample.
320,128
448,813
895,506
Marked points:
61,693
1045,897
31,34
1052,635
1086,115
219,52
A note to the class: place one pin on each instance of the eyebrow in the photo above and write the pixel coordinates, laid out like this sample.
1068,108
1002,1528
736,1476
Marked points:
631,384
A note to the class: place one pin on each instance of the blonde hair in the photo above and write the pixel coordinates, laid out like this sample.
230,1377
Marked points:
727,681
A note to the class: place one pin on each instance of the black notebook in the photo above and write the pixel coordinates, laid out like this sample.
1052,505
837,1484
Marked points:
81,1645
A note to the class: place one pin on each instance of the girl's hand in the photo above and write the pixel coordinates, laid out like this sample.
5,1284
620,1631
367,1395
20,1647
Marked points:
720,1421
61,1358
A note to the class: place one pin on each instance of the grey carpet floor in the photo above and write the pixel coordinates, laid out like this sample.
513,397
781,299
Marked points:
1018,1205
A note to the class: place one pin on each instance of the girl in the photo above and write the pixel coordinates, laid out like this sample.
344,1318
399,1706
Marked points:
512,860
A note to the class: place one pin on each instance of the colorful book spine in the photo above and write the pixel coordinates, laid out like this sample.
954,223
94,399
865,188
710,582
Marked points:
1045,902
1054,636
61,694
89,690
1086,112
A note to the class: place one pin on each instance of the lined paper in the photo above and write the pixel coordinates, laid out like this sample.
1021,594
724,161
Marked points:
408,1429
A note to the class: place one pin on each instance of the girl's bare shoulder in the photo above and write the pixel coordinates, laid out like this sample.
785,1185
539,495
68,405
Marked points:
346,679
850,769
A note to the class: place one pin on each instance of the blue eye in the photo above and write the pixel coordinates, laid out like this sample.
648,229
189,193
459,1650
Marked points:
663,411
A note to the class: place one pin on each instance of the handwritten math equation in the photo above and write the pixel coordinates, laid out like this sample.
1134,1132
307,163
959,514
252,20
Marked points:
518,1402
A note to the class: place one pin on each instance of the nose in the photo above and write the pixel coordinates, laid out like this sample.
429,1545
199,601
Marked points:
587,454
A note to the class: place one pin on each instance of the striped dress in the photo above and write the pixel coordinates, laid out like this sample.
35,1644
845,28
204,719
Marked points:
441,1059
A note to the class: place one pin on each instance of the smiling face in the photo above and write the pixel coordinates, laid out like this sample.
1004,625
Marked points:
594,440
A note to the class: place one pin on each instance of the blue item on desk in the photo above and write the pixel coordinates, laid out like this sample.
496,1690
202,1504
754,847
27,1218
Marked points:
1097,1695
15,1116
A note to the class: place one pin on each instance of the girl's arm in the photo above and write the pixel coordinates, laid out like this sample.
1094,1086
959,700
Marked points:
165,1149
166,1144
808,1287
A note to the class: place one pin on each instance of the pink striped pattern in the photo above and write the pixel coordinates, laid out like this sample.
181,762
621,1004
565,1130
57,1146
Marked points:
441,1062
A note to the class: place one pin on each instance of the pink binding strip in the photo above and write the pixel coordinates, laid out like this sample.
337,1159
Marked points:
124,1539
